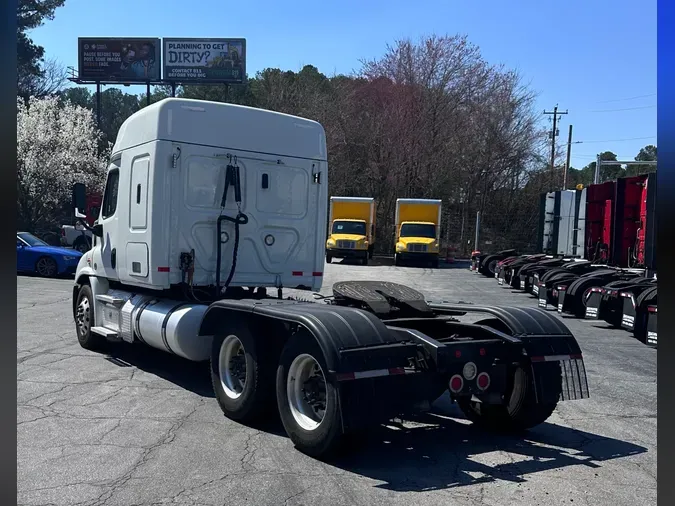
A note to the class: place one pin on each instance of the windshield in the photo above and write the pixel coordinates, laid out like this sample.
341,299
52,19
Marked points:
349,227
418,230
31,239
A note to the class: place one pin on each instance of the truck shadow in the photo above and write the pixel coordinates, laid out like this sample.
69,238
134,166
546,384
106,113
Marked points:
192,376
437,450
450,453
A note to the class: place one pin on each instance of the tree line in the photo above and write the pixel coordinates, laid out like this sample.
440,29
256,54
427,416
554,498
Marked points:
427,119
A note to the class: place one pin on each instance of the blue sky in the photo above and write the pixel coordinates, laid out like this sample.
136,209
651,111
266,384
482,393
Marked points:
595,58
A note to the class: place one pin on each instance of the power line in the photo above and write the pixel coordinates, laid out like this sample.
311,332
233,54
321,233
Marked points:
617,140
626,99
626,109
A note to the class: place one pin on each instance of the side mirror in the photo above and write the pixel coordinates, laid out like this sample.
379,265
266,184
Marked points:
79,200
97,230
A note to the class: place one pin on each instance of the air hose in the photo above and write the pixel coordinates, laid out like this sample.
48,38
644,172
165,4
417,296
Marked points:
231,178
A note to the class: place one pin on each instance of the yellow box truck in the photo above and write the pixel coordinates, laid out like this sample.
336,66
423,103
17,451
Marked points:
351,228
418,229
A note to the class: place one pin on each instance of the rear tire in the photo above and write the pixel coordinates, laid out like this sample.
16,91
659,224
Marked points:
521,411
46,267
84,321
242,374
312,421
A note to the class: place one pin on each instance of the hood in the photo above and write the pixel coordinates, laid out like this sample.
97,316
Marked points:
416,240
347,237
55,250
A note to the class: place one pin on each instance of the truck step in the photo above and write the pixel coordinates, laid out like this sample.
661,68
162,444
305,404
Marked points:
109,334
108,299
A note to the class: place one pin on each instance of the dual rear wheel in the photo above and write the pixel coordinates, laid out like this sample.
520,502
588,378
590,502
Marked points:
246,385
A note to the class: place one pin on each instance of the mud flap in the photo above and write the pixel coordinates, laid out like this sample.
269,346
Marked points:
652,336
541,291
628,315
573,385
593,304
575,382
561,298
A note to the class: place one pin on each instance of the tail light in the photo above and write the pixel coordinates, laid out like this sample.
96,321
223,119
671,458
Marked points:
456,383
483,381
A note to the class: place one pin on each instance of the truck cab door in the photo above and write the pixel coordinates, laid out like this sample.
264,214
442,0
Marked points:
106,252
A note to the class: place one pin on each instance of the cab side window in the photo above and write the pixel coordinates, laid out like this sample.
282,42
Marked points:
111,192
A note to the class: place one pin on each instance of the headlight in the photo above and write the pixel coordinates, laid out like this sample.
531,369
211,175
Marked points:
330,242
400,247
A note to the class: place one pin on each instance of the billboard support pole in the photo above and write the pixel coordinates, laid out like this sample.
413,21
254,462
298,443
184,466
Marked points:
98,104
147,94
173,89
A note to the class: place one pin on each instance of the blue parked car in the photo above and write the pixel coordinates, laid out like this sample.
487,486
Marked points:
35,255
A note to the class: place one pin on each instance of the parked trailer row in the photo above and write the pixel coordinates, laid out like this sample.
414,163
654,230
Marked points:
624,298
206,207
615,279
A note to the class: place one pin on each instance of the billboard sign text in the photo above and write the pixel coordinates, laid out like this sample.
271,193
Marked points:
119,60
204,60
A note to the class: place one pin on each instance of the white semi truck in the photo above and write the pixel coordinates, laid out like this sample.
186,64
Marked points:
209,205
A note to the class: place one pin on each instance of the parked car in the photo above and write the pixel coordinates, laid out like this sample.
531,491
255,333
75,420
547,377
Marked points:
35,255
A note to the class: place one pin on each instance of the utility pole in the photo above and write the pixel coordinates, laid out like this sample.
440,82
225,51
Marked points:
569,153
553,134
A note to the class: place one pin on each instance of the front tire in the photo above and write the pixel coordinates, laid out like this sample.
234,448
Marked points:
307,399
242,375
329,259
84,321
521,411
364,260
397,260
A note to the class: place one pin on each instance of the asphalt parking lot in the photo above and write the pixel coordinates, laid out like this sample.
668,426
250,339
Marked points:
140,427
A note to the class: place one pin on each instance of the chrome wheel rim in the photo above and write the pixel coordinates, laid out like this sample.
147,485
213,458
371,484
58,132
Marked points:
232,367
306,392
83,316
45,267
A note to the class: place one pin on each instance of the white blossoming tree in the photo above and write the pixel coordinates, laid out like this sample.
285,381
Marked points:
57,146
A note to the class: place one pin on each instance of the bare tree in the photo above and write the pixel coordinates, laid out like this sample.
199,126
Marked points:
52,79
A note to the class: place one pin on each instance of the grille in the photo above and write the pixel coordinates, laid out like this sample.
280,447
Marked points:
417,248
346,244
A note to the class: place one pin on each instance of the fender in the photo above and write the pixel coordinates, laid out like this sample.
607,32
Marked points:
98,286
335,328
541,333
